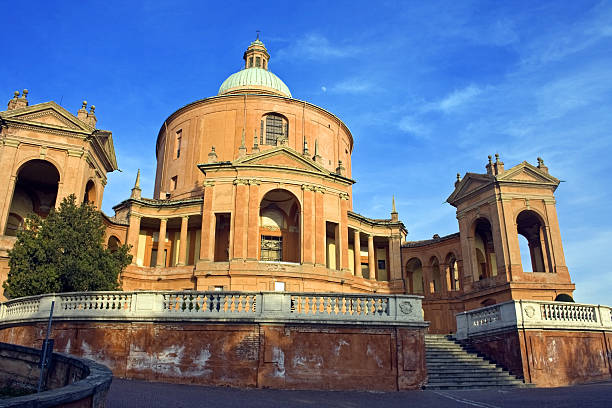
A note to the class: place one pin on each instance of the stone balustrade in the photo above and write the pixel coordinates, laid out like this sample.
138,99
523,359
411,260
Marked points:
533,314
213,306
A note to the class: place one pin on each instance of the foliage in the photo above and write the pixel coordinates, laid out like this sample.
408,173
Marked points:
64,253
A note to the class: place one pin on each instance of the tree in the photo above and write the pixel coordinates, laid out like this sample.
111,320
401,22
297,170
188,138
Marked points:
64,253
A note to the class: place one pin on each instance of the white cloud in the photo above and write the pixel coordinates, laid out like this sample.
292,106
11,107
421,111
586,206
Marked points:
317,47
410,124
458,98
324,88
354,85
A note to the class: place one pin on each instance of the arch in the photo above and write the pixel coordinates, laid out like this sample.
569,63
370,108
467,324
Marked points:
488,302
274,128
530,225
435,286
279,226
484,250
90,193
564,297
414,275
35,191
113,243
452,272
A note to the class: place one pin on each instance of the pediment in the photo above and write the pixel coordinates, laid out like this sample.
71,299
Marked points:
48,114
527,173
282,157
470,183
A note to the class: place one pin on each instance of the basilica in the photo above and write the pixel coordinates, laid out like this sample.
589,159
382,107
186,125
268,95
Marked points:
253,192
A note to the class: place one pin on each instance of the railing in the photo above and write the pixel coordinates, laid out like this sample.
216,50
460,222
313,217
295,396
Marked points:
208,306
532,314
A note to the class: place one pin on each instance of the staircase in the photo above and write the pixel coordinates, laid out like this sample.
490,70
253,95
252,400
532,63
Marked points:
451,366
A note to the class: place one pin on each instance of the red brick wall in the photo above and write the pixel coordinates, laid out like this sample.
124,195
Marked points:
246,355
551,358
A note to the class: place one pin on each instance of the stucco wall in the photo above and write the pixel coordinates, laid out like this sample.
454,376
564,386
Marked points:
292,356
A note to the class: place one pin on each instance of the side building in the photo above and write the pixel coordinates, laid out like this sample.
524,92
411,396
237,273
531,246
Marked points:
253,192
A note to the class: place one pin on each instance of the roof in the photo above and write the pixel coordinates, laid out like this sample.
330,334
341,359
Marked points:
415,244
254,79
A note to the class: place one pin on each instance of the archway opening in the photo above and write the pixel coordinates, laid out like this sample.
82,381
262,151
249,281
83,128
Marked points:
452,272
564,297
435,286
90,193
531,229
484,250
414,275
279,226
113,243
488,302
35,192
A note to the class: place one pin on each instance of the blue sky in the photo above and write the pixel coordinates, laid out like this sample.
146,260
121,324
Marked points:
427,88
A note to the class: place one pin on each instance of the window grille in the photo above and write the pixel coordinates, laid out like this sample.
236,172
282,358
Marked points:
271,248
275,129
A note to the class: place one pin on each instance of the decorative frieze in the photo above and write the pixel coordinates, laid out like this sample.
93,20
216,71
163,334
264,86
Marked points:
247,182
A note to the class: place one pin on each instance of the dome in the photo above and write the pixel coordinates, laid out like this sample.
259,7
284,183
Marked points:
254,80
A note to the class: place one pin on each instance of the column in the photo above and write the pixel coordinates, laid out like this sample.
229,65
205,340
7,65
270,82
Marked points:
241,208
395,262
183,243
253,225
132,236
308,225
338,242
161,242
371,257
8,153
344,263
208,224
320,248
357,250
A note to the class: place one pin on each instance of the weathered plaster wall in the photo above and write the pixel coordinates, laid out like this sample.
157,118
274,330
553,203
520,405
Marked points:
550,358
291,356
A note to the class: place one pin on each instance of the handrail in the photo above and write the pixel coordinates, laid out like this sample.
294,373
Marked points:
218,305
533,314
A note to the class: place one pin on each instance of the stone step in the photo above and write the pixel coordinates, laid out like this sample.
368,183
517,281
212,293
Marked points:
450,365
453,386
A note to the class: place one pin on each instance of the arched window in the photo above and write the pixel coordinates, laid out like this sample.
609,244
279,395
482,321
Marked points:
484,250
564,297
90,193
414,275
531,228
113,243
279,225
35,192
276,128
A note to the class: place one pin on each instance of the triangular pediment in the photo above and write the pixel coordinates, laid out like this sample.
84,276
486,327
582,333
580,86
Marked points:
282,157
49,115
470,184
527,173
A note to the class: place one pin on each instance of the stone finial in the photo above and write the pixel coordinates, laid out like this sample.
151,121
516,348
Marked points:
340,169
499,165
212,156
317,158
305,151
136,191
242,150
541,165
17,102
91,117
489,166
394,215
82,113
458,179
255,143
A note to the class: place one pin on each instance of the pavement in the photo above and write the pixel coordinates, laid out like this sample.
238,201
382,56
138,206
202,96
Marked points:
133,393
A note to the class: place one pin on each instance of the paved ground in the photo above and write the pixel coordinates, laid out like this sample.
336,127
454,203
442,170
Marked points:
128,393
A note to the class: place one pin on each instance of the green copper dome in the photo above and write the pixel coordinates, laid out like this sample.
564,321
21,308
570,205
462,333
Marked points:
254,80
